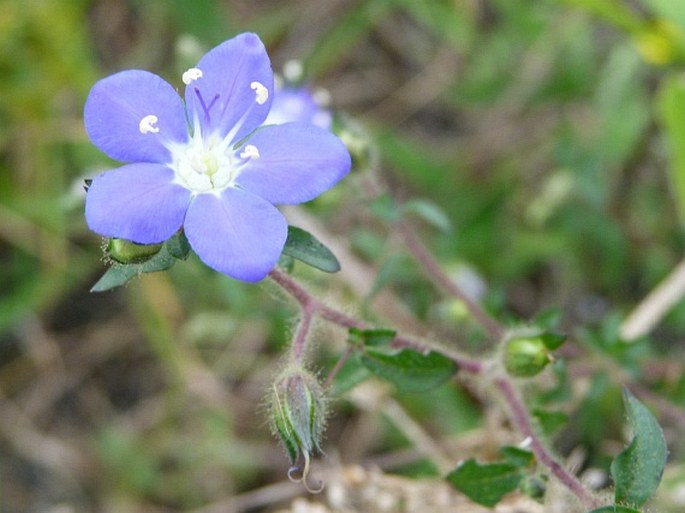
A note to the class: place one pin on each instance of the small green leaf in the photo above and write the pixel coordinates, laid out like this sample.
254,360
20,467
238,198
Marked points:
637,470
350,375
304,247
409,370
614,509
517,456
550,421
429,212
372,337
485,484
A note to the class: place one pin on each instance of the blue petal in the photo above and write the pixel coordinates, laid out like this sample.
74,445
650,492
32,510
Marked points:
119,103
236,233
296,163
297,105
137,202
224,94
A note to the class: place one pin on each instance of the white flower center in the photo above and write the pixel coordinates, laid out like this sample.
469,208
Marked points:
209,165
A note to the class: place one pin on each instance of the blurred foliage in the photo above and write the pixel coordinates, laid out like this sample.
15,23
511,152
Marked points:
547,135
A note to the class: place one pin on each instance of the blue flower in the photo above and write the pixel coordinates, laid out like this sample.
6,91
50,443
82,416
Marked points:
298,104
203,165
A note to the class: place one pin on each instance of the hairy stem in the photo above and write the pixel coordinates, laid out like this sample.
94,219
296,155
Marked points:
432,268
519,412
521,418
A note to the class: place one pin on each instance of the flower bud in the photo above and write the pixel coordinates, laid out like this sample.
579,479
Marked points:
298,411
127,252
526,356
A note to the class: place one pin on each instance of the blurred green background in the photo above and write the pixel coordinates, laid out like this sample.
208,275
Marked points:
550,132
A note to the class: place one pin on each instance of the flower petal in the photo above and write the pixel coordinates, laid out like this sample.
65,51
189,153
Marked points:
231,76
236,233
296,163
137,202
133,115
292,104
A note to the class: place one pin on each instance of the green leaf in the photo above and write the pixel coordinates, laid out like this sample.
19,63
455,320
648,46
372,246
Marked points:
409,370
429,212
485,484
517,456
372,337
614,509
352,374
550,421
637,470
118,274
304,247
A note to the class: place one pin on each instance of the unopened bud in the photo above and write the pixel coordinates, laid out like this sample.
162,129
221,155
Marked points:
298,416
526,357
127,252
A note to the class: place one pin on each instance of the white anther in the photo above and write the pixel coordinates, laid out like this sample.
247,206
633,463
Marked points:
261,92
147,124
191,75
249,152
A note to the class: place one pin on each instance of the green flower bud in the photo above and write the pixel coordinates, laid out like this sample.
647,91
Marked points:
298,413
526,357
127,252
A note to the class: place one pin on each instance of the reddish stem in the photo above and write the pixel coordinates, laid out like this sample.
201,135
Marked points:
436,273
521,419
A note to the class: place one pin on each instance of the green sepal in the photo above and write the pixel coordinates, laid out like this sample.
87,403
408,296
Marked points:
126,252
120,273
409,370
298,412
637,470
485,484
553,341
283,429
303,246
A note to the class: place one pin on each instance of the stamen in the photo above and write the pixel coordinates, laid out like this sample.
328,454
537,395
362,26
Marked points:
249,152
261,91
147,124
191,75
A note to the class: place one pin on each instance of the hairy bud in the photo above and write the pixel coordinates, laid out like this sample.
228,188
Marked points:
526,357
298,412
